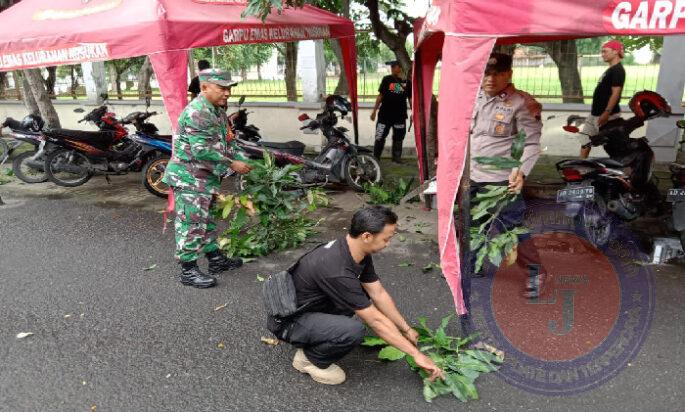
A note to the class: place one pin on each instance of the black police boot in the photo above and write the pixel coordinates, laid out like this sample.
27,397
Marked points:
397,151
535,282
219,263
378,146
191,275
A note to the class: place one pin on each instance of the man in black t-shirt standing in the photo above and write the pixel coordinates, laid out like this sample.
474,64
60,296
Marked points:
336,281
607,93
392,99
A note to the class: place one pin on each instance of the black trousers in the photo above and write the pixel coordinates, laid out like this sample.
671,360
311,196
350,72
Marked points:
510,217
325,338
399,130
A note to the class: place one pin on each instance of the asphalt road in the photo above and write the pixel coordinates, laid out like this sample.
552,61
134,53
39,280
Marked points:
109,335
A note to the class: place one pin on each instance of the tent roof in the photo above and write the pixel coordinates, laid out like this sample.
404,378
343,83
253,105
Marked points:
530,21
462,33
36,33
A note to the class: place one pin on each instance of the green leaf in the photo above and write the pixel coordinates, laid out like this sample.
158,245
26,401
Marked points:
151,267
391,353
260,278
498,162
402,238
373,341
404,264
430,267
518,145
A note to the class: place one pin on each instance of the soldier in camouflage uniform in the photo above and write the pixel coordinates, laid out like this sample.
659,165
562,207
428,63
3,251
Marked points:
202,156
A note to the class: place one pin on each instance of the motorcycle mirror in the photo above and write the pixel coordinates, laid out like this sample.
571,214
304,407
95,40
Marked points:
241,100
571,129
79,110
680,124
303,117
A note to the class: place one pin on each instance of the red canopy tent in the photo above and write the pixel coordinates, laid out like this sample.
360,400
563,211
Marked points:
35,33
462,33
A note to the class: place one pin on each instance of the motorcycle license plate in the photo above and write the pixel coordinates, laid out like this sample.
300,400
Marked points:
675,195
575,194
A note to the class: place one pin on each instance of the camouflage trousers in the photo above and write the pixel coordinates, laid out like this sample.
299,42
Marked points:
194,224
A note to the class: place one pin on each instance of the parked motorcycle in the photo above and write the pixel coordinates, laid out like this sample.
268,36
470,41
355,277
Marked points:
250,133
600,192
81,154
676,194
31,123
339,160
156,149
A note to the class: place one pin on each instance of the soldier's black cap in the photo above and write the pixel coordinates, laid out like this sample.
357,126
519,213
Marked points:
498,62
392,63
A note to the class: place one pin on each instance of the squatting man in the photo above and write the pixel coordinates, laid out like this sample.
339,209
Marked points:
336,281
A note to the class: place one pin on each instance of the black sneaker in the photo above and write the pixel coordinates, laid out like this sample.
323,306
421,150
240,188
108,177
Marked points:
191,275
219,263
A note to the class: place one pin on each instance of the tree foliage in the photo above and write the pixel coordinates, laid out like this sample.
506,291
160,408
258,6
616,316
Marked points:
236,57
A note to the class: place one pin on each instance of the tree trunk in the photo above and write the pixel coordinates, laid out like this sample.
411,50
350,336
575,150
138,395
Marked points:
259,71
341,88
24,92
243,73
112,78
120,96
144,76
74,81
565,55
3,77
36,85
397,42
50,81
290,71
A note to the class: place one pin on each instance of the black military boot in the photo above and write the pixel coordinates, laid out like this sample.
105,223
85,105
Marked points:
191,275
397,151
219,263
378,146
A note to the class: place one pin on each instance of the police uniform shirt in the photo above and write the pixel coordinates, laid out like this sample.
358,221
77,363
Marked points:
496,121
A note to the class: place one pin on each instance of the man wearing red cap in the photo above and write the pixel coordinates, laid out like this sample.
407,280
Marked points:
607,93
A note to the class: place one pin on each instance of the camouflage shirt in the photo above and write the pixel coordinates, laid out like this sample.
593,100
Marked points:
202,152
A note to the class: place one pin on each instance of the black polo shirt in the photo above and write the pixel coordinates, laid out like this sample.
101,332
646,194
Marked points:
331,280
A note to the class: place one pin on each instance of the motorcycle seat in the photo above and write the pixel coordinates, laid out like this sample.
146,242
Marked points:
610,162
293,147
101,138
678,166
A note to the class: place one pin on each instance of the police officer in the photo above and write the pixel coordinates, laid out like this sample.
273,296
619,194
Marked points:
501,111
392,99
202,155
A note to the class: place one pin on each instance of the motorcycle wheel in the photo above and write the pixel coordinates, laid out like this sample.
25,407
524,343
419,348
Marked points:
595,222
68,168
361,170
28,170
153,172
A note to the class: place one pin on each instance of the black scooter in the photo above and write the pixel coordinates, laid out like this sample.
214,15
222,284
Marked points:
676,194
27,166
599,191
251,133
339,160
